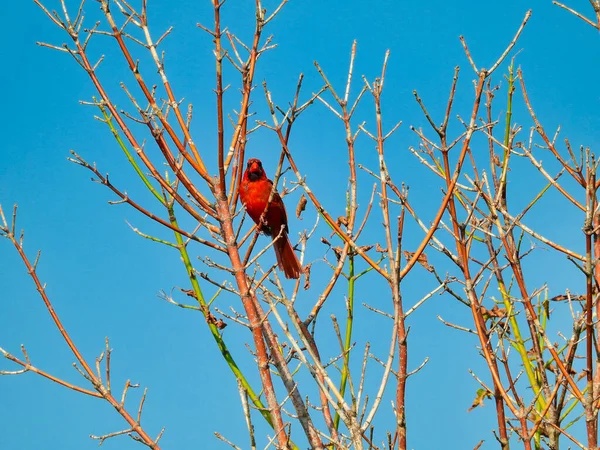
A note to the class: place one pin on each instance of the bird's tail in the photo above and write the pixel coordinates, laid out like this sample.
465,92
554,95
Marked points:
286,257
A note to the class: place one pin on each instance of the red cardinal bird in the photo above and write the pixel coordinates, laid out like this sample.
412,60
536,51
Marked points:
254,194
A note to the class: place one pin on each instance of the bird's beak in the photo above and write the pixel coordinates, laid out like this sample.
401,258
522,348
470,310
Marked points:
254,172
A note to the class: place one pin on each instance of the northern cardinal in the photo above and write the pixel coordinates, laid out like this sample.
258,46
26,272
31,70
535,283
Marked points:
254,195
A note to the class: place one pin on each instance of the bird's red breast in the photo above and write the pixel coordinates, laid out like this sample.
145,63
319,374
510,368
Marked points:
255,191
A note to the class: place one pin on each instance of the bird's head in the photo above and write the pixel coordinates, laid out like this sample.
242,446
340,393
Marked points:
254,170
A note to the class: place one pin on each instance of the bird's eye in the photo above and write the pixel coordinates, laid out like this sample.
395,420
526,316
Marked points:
259,164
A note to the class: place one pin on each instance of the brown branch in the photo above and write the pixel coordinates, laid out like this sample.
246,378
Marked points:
581,16
87,369
125,198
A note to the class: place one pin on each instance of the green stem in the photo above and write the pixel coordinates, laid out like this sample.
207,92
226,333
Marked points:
211,326
128,154
518,343
348,338
570,409
203,306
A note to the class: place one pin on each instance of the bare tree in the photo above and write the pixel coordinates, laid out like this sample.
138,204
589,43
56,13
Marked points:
474,245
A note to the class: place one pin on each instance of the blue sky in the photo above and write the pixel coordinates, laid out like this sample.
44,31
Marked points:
103,279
